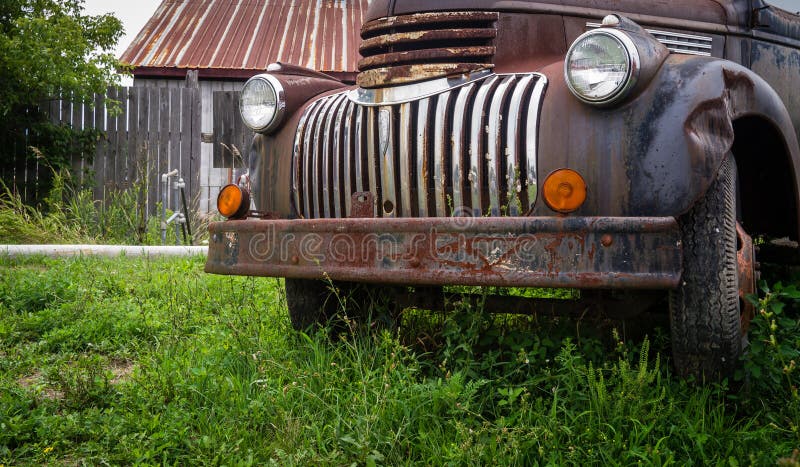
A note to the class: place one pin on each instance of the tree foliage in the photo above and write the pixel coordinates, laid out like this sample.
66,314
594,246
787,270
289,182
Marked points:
49,49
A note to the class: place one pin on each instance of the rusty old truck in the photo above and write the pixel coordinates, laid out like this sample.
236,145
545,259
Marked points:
628,149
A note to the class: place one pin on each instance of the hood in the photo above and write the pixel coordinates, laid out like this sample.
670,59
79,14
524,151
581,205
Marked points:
696,14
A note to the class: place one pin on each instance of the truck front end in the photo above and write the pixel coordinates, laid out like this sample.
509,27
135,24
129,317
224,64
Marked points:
486,148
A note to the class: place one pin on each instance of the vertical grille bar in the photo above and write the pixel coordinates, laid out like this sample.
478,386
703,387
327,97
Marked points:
338,157
422,156
476,145
531,142
309,155
297,184
319,187
327,163
356,156
349,136
460,112
494,147
513,171
440,154
386,159
372,142
405,159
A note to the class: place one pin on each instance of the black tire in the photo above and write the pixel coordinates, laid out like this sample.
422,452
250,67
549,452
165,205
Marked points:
310,303
704,309
314,303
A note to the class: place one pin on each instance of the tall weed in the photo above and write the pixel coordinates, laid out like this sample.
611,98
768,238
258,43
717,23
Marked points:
70,214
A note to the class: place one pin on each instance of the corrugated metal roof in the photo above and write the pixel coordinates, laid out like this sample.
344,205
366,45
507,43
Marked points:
230,37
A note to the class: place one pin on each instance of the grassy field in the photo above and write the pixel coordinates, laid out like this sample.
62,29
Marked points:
152,361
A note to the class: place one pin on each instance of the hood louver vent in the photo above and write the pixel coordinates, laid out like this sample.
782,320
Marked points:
404,49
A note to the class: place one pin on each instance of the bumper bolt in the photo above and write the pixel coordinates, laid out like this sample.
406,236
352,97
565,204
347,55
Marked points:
606,240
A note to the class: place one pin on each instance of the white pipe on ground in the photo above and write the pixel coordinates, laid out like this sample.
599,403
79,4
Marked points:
57,251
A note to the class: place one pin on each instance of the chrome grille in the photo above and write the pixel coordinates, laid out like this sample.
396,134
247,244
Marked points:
470,150
678,42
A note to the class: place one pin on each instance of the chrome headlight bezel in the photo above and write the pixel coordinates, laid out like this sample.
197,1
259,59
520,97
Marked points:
280,103
623,89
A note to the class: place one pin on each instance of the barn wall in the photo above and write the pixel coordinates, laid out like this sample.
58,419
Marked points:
211,179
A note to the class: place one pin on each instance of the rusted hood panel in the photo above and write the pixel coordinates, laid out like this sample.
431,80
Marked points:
720,12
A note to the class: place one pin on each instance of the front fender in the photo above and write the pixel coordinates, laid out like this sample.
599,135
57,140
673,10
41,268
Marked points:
657,153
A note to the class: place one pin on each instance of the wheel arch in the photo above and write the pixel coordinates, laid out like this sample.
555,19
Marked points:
767,178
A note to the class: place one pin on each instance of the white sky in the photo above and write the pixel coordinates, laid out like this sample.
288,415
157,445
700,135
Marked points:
133,14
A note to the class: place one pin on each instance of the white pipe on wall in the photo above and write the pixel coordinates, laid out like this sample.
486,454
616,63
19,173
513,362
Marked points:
57,251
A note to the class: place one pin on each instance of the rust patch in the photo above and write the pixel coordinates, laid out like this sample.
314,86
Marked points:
414,73
373,27
449,35
441,44
509,252
710,135
362,204
740,90
411,56
745,258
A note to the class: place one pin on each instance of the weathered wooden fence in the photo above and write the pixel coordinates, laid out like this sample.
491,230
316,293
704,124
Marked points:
146,132
232,137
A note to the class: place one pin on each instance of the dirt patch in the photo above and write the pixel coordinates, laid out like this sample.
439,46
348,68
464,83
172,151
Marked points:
121,370
36,381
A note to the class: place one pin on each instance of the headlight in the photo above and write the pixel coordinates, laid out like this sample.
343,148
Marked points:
602,66
262,103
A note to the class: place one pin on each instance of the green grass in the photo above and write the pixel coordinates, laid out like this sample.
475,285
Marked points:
152,361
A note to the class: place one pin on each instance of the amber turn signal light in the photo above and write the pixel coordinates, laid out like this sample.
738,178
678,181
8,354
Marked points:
233,202
564,190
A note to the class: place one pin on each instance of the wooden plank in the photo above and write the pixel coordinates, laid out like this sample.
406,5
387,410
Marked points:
194,137
66,117
242,134
66,112
186,138
124,155
163,137
29,167
142,155
31,173
132,158
175,131
101,149
76,157
125,164
54,111
118,132
87,159
18,180
223,129
154,185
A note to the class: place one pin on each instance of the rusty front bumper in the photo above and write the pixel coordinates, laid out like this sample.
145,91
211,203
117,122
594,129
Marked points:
581,252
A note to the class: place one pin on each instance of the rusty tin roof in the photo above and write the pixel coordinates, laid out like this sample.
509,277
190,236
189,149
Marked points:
238,38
